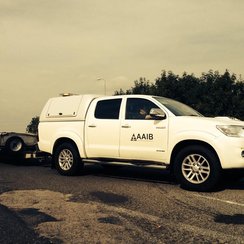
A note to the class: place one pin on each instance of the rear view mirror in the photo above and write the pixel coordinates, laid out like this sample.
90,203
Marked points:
157,113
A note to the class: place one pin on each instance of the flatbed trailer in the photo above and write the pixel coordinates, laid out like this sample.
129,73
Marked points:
16,143
21,146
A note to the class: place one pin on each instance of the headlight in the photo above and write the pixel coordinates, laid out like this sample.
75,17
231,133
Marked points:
232,130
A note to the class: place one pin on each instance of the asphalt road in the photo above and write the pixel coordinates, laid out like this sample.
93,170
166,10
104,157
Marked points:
122,205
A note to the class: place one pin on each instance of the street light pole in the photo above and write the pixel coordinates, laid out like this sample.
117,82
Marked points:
104,85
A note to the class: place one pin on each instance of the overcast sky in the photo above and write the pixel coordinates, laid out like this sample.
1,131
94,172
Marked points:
53,46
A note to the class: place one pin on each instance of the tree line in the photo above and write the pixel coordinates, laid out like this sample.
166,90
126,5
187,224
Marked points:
212,94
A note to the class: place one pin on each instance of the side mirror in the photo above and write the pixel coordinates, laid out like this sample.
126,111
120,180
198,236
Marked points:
157,113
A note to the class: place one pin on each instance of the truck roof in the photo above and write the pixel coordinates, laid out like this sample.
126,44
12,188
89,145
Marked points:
73,106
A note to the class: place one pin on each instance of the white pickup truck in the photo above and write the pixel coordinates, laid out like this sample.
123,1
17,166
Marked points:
141,130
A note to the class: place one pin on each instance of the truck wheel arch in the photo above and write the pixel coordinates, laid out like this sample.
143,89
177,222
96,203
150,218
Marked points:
71,138
61,141
182,144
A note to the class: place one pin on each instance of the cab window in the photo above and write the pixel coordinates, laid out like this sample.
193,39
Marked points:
108,109
139,108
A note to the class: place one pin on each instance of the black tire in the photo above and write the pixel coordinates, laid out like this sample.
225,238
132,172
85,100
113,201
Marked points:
197,168
67,159
14,145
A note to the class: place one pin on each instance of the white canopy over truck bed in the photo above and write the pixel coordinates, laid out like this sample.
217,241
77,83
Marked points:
68,107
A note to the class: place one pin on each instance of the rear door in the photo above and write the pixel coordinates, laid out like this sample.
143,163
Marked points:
102,129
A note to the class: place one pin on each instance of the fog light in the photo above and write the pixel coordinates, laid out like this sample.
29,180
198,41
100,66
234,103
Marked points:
242,154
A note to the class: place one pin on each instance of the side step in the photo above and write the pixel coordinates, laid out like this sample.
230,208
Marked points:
133,163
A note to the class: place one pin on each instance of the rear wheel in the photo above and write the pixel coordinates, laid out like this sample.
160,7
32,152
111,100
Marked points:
67,159
197,168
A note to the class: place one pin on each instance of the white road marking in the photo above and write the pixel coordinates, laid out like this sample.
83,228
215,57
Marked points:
220,200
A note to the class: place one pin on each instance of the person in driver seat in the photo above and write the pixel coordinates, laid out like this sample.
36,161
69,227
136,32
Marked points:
143,114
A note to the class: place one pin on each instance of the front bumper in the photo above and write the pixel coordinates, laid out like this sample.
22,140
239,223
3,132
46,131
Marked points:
231,152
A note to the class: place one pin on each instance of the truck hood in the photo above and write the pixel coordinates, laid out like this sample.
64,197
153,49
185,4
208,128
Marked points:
180,124
209,120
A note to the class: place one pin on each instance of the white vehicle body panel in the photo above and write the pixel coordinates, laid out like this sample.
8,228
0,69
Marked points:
74,118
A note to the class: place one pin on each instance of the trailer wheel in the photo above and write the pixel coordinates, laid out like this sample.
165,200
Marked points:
197,168
67,159
14,145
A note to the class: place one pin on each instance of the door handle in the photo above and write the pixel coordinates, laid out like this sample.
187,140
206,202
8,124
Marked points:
92,126
125,126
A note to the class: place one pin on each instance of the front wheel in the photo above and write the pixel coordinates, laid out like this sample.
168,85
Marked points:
67,159
197,168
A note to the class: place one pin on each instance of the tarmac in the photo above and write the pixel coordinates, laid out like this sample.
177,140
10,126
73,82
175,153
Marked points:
15,230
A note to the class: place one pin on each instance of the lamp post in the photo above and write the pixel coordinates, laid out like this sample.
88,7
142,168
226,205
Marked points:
104,84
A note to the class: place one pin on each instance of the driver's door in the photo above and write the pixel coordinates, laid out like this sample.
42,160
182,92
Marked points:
141,138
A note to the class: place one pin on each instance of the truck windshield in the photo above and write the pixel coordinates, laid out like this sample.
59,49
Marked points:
177,108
